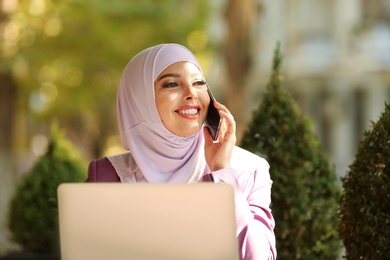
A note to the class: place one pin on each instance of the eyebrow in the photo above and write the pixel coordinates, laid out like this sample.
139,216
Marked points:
176,75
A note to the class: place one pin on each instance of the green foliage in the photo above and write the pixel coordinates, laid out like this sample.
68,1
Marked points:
78,49
305,191
33,218
67,56
365,202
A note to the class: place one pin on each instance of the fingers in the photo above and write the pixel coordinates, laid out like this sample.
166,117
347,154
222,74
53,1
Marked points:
223,111
228,128
218,153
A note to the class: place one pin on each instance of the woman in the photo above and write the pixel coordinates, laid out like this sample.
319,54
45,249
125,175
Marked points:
162,104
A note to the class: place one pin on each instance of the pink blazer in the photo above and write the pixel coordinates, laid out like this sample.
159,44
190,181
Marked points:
101,170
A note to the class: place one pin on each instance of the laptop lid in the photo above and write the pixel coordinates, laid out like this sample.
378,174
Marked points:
147,221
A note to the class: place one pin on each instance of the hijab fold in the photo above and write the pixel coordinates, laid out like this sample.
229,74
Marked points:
160,155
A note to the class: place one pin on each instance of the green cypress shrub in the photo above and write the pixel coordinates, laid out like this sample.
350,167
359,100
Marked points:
33,216
365,202
305,192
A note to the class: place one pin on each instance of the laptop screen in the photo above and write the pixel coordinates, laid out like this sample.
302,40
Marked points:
147,221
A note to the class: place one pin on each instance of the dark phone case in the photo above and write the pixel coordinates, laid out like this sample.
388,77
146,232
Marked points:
213,119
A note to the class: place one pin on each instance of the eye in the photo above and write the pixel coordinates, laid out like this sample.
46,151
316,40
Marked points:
170,84
200,83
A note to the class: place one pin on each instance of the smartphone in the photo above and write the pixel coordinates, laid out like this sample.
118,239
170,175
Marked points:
213,120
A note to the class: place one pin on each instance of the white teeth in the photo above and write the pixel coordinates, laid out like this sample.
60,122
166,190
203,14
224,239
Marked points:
191,111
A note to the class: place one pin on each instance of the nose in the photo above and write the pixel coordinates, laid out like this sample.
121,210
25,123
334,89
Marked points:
189,92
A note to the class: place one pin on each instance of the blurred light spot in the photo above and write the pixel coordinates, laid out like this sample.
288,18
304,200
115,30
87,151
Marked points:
46,74
9,50
37,7
114,150
113,140
35,102
27,38
53,27
204,61
11,36
113,146
9,6
20,68
197,40
11,33
48,92
38,144
73,77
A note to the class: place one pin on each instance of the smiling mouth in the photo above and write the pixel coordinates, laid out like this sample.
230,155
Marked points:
190,111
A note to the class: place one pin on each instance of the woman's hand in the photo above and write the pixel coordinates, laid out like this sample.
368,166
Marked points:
218,154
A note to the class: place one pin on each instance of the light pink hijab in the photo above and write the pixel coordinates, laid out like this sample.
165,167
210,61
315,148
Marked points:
160,155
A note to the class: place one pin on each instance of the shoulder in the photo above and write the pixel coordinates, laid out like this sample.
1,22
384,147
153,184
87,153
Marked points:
248,161
101,170
250,169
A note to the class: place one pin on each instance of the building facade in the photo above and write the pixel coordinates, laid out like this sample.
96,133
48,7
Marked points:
336,65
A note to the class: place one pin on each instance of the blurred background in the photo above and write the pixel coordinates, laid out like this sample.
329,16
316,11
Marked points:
60,62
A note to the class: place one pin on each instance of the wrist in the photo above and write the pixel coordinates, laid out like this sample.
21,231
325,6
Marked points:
219,166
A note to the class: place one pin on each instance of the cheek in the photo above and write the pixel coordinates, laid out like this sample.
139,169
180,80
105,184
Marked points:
160,105
205,102
164,105
205,99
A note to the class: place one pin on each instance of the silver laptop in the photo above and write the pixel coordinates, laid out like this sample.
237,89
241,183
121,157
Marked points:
115,221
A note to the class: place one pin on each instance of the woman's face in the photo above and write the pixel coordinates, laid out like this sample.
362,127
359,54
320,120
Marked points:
181,98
